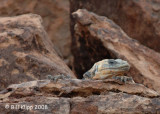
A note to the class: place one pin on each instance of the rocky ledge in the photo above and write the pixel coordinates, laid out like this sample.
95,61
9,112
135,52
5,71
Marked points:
79,96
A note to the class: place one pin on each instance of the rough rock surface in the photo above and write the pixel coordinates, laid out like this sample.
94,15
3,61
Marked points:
55,15
97,37
26,52
140,19
79,96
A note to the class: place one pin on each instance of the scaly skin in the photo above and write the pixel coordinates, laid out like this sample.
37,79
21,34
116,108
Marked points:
109,68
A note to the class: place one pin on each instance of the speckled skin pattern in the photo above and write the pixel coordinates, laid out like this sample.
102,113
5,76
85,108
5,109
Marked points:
107,68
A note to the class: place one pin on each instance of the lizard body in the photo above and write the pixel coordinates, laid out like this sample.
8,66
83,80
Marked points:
109,68
104,69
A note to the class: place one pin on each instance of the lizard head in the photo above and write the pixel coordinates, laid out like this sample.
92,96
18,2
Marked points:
107,68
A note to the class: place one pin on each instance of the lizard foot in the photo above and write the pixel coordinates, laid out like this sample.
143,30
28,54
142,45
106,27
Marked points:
57,77
124,79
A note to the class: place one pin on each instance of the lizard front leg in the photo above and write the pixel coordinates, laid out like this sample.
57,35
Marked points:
123,79
57,77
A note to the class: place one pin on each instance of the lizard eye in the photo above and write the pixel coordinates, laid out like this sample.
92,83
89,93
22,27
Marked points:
111,62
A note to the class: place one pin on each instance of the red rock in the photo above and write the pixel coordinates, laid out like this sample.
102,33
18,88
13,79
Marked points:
138,18
55,15
26,52
80,96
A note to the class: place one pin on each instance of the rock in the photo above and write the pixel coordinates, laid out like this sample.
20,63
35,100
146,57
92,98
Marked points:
79,96
70,87
55,15
138,18
97,37
26,52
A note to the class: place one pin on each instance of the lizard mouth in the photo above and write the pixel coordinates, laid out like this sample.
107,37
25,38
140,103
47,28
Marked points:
124,68
87,75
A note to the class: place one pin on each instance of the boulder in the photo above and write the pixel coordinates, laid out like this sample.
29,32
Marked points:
55,15
26,52
138,18
97,37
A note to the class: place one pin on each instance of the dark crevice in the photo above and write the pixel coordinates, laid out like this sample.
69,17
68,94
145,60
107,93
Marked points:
88,50
56,92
